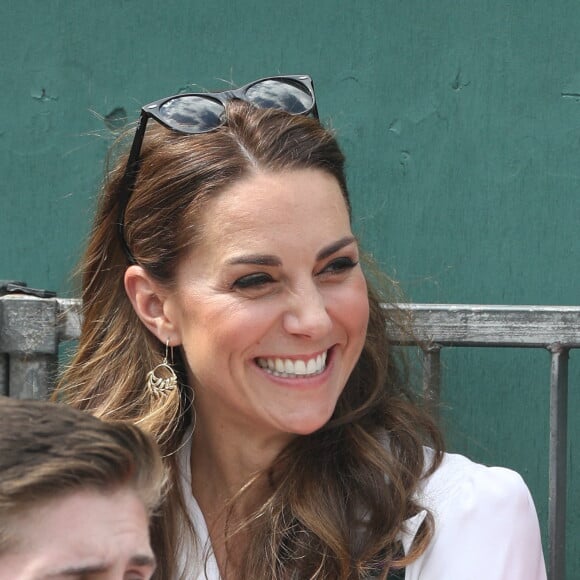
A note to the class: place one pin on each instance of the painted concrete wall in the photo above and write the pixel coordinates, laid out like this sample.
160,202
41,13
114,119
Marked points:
460,119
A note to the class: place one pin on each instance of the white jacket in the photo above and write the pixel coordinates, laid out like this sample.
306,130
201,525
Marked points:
486,527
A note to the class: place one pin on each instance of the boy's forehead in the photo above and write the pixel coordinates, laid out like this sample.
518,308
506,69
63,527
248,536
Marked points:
83,533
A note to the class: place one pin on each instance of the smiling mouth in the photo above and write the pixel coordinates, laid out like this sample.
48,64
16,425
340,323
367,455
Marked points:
296,368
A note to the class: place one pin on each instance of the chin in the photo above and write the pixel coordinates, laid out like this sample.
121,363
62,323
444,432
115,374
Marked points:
309,425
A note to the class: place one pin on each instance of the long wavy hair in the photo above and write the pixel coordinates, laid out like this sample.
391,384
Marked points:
338,497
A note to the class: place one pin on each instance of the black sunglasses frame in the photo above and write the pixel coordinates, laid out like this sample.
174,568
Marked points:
152,110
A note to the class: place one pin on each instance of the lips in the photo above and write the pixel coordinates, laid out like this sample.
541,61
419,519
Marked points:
295,367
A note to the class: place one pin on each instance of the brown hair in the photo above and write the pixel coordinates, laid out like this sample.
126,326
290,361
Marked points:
371,450
49,450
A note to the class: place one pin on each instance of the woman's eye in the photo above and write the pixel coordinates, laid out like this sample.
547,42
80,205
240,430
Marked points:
252,281
339,265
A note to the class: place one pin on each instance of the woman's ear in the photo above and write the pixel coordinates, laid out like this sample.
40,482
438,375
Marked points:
148,298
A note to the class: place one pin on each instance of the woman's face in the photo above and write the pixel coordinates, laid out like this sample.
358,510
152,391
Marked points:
271,308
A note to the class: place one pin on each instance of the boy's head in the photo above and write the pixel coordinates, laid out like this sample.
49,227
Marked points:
76,494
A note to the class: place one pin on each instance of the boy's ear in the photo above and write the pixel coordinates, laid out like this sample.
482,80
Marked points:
148,298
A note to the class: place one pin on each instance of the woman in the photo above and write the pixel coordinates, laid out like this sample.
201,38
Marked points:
222,251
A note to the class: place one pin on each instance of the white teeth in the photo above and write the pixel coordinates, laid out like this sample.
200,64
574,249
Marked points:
300,368
293,368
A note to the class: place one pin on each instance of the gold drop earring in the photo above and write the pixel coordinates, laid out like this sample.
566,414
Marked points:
162,379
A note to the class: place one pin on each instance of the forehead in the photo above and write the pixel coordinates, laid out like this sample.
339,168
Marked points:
84,529
293,203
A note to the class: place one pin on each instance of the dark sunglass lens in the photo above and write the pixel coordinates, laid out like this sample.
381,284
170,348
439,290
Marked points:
192,114
280,94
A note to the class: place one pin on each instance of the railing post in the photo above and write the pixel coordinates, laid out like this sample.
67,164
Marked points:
558,461
29,339
3,374
432,377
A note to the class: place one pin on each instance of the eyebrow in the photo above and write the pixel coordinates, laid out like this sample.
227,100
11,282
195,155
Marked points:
271,260
137,560
257,259
334,247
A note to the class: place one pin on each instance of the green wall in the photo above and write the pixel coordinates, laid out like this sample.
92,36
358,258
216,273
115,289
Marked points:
461,123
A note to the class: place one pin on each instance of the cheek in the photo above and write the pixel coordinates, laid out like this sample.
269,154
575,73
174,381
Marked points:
355,307
361,321
349,308
222,329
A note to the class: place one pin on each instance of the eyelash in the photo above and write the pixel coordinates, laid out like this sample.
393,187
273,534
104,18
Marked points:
339,265
256,280
252,281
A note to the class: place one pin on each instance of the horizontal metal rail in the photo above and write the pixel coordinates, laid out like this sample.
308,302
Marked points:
31,330
484,325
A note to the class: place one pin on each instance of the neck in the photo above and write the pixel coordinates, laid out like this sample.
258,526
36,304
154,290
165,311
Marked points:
224,460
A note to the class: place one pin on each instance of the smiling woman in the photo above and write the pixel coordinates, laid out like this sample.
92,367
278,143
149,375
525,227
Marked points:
278,286
295,446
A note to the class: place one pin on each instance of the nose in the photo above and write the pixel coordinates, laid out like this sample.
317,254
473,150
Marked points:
307,313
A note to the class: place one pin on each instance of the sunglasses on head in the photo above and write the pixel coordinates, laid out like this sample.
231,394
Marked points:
194,113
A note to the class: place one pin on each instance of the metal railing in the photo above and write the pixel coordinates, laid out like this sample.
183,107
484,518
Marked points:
555,328
31,330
